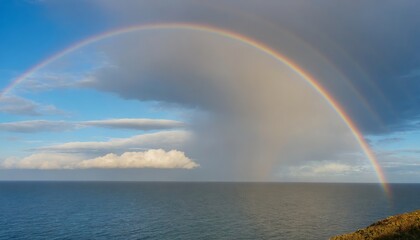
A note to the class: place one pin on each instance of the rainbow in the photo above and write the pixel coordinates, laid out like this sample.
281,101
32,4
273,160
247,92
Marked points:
234,36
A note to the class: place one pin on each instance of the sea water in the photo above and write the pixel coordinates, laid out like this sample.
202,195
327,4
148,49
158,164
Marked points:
169,210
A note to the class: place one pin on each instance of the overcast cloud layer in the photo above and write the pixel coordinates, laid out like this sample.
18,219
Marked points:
378,61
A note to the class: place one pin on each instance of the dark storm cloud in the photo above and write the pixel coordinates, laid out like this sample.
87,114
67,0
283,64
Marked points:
250,111
372,43
375,45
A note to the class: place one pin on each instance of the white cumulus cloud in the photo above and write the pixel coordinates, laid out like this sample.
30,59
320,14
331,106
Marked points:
153,158
43,161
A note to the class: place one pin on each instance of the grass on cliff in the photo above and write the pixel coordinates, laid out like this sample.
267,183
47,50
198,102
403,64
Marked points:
400,227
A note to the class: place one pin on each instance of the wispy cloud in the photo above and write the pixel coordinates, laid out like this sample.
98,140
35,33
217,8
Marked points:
58,126
390,140
164,139
153,158
21,106
36,126
137,124
70,72
414,73
400,165
395,158
44,81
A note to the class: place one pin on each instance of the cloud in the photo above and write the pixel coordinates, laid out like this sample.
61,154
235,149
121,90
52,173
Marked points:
332,168
153,158
400,165
366,84
42,161
367,58
36,126
58,126
136,124
344,168
390,140
68,73
399,157
21,106
412,74
164,139
44,81
376,76
324,168
253,120
251,113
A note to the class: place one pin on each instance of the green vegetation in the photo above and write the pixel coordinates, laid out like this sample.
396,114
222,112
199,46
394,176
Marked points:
400,227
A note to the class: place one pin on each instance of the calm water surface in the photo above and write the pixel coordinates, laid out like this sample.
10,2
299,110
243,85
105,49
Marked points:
133,210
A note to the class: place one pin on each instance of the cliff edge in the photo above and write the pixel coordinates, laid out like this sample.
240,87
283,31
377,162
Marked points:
402,227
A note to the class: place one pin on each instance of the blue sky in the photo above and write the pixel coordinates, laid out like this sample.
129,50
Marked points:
185,105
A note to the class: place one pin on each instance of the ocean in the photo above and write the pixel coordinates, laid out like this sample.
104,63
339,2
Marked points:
169,210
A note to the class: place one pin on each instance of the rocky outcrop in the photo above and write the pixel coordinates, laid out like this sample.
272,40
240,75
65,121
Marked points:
402,227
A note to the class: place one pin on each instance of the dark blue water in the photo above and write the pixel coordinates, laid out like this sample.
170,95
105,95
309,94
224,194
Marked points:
129,210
